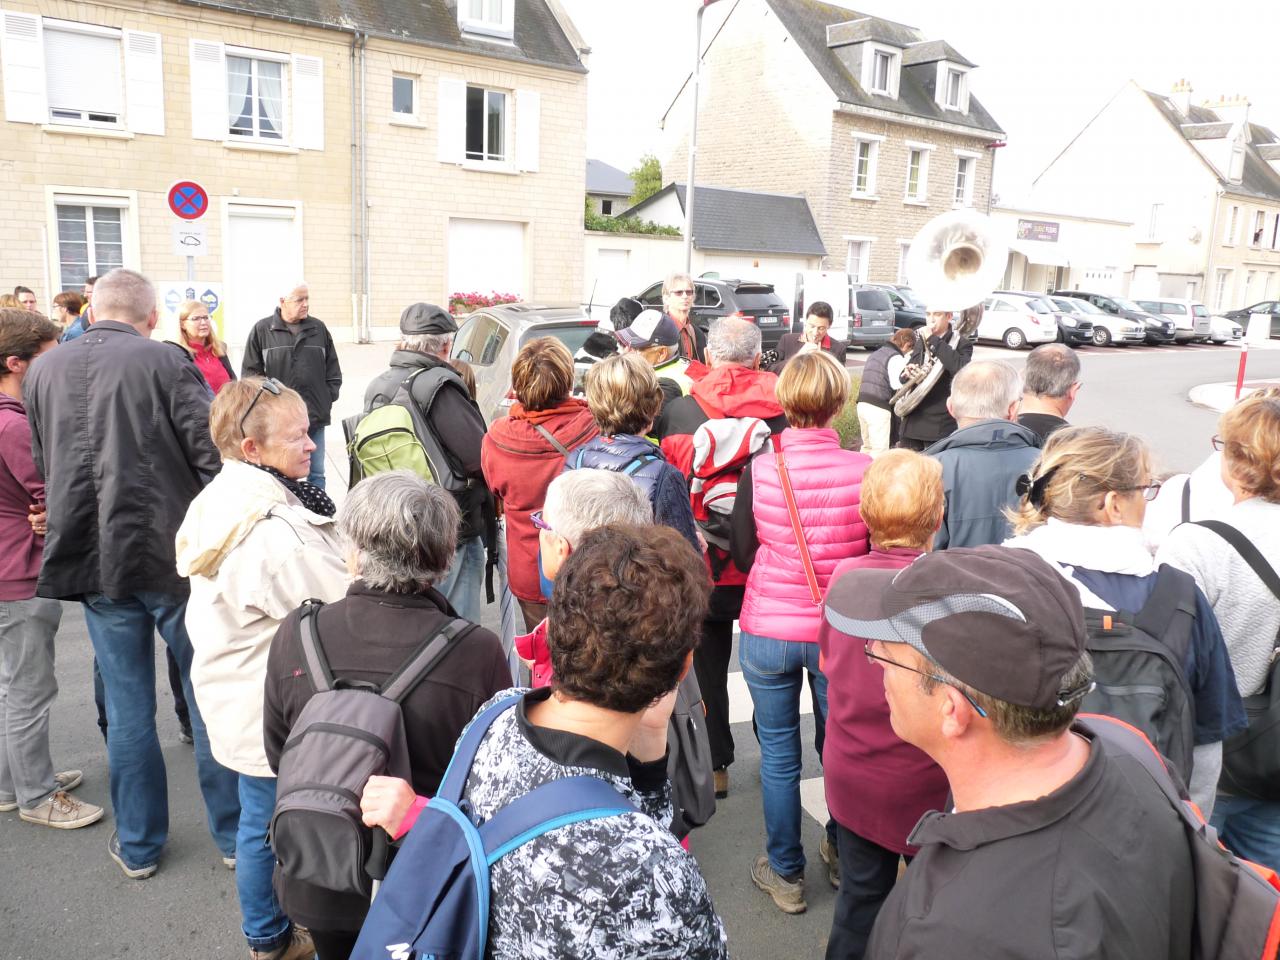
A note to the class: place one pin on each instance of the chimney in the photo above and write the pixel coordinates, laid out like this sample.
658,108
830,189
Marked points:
1181,96
1233,110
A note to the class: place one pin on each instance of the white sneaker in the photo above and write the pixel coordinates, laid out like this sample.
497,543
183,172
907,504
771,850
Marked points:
62,811
67,780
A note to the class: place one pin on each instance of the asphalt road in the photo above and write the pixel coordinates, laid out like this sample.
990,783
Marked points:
63,896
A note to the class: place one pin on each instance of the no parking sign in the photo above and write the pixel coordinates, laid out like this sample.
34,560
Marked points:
188,200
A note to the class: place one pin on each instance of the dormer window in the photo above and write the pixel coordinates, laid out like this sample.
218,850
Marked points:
952,87
489,18
881,66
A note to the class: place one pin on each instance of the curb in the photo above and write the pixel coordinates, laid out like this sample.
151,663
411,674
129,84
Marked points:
1221,397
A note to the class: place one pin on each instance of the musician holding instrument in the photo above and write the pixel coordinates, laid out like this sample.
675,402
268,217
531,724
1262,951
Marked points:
930,421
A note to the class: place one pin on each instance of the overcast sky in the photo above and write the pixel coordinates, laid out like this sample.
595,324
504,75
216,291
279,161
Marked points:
1043,69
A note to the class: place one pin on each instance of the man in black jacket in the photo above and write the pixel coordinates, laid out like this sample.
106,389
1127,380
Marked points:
116,493
930,421
816,336
296,349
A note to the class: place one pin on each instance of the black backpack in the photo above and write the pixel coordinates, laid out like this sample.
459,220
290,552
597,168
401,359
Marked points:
1138,665
347,732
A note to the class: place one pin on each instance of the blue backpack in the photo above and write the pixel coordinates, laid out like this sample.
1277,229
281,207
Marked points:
435,900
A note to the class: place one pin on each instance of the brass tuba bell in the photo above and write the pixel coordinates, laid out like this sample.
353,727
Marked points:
956,260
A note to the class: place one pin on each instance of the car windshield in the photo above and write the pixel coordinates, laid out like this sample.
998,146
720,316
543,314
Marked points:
873,300
1200,310
756,299
1124,304
1084,306
910,297
1037,305
573,333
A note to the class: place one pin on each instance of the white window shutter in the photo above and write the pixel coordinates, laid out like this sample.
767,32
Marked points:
22,52
209,115
308,103
528,122
451,121
144,82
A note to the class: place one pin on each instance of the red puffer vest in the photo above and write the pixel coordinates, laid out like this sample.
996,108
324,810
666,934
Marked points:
828,484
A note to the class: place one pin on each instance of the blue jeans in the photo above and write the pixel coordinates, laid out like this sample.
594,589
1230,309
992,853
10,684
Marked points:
461,583
316,476
1249,828
774,672
122,633
264,923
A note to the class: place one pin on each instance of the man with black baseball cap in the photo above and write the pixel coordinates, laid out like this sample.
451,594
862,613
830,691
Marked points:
1056,845
426,339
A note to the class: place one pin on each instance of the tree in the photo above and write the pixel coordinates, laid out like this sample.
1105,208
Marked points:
646,179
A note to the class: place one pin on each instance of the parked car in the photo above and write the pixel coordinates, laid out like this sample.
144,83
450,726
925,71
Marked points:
1073,329
907,313
863,312
1159,329
1221,330
1272,307
872,317
715,298
1016,321
1190,316
1108,328
489,340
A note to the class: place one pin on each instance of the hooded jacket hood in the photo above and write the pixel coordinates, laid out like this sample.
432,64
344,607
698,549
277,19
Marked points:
737,392
224,512
571,423
991,434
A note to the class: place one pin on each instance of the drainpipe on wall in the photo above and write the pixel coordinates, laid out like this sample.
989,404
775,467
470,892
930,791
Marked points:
355,279
1209,241
365,332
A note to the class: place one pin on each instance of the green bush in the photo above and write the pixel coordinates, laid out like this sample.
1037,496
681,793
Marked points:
594,221
846,421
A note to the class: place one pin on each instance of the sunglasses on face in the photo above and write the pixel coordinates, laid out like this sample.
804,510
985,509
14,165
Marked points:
682,293
269,385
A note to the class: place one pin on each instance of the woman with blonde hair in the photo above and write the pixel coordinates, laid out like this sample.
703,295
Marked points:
255,543
795,518
1247,609
1081,509
196,336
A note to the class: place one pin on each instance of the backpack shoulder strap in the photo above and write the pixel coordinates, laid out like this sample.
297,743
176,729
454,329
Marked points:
313,657
548,807
550,438
464,754
1174,593
638,464
1186,500
1248,552
424,659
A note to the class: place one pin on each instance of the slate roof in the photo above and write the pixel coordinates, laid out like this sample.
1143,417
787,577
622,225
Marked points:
1259,179
931,51
871,28
746,220
608,180
1269,151
1205,131
807,22
539,38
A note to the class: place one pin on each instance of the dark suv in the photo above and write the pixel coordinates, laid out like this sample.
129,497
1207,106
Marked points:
1160,329
716,298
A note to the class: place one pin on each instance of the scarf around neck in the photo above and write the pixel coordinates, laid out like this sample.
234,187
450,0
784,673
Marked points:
1120,549
311,496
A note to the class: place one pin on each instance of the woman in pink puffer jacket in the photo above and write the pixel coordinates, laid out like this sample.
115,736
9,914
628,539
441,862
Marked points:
782,608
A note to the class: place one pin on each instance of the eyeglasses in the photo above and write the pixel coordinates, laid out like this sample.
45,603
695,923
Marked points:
536,519
1149,492
932,676
682,293
270,385
1217,443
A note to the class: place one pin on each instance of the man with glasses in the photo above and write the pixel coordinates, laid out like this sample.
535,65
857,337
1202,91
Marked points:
678,295
1058,842
116,495
296,348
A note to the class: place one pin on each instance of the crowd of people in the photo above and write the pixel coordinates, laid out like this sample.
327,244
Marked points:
956,593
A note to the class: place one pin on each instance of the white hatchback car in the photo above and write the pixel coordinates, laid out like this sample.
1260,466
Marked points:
1017,321
1108,328
1191,317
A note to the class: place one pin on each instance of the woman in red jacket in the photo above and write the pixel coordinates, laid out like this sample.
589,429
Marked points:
196,336
524,451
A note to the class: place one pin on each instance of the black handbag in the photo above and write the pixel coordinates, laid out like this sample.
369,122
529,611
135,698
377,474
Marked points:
1251,759
693,792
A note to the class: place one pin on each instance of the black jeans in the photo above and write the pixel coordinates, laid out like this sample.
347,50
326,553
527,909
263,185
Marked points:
334,944
867,873
711,664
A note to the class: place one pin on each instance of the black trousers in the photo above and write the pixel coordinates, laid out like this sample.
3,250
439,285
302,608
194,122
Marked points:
711,664
334,944
867,873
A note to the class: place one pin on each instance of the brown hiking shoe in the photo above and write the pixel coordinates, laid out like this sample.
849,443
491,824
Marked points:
831,857
298,947
720,778
62,811
787,894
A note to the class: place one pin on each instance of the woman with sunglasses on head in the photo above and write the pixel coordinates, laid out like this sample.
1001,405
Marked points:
1247,609
196,336
1082,508
255,543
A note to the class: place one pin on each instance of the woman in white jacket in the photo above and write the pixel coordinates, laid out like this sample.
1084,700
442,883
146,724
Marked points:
256,543
1249,613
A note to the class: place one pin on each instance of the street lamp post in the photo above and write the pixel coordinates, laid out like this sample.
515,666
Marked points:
693,141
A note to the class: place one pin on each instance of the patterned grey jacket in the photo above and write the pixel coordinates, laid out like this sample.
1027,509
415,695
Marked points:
610,889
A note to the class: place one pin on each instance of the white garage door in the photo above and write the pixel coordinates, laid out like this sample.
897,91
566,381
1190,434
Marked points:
263,252
486,256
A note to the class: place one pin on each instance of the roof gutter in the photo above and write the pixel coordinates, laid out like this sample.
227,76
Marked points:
911,120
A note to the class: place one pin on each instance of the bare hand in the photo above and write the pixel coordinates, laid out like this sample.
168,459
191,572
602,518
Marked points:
38,517
385,802
649,742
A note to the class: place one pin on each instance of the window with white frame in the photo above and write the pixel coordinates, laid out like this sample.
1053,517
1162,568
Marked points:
953,89
857,257
404,95
904,250
1153,223
90,239
1221,286
866,155
495,18
255,97
1229,237
917,173
1259,226
963,194
881,69
486,124
1275,233
85,81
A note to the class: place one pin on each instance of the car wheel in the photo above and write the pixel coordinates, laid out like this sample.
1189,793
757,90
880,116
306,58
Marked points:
1218,343
1101,337
1014,338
